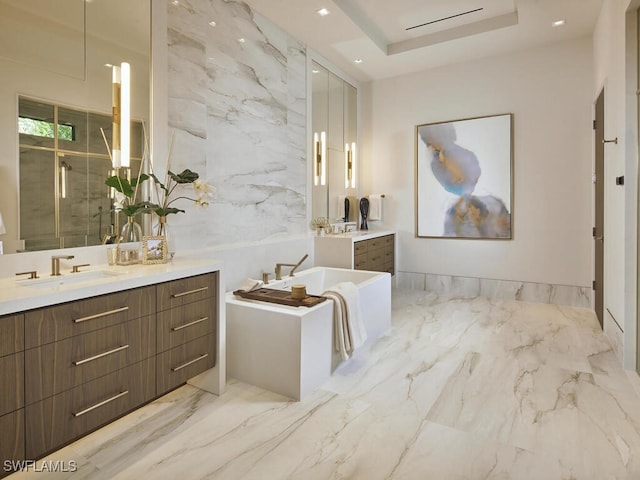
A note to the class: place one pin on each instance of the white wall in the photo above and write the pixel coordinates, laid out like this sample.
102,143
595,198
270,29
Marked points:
615,67
549,91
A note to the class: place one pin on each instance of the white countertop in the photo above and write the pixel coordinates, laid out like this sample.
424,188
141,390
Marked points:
20,295
359,235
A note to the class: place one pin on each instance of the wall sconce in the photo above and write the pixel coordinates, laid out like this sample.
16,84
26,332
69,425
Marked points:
350,165
121,100
64,174
320,158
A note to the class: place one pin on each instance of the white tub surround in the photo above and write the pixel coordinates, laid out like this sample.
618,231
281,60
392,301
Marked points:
289,350
358,250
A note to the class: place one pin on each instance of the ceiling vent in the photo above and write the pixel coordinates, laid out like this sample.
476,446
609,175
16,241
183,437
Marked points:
445,18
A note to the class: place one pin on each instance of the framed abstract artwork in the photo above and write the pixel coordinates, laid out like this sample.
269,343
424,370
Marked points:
464,178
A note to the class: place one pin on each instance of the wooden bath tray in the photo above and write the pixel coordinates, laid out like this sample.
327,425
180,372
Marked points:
281,297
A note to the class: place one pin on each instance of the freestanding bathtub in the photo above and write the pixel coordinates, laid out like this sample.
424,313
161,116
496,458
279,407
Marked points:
289,350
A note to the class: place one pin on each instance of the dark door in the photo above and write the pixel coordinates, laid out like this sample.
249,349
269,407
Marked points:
598,231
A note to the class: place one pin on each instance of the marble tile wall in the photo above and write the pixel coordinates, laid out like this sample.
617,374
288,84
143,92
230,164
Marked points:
468,287
237,105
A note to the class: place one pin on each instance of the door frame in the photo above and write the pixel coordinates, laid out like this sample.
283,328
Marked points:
598,229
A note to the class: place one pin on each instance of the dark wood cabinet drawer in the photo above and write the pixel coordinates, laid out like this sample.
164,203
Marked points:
376,254
59,366
360,261
187,290
376,243
375,258
179,364
11,334
11,382
180,325
63,321
360,247
11,438
65,417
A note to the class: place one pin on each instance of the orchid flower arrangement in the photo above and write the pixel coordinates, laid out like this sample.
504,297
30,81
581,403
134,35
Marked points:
172,190
167,192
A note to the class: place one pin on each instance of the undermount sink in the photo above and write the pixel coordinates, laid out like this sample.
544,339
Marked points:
68,279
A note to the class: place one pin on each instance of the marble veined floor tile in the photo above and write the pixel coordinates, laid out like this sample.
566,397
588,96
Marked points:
543,409
458,389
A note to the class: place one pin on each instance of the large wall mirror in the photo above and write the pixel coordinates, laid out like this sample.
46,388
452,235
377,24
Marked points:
55,72
334,110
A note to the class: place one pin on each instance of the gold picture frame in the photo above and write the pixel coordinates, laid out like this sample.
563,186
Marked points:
464,178
154,250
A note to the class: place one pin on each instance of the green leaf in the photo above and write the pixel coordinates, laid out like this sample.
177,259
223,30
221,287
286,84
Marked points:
157,180
142,178
121,185
173,210
186,176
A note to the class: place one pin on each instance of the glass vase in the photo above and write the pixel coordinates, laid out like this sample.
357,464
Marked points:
131,231
162,229
129,249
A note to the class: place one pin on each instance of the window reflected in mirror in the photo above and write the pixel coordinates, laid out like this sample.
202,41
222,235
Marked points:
63,165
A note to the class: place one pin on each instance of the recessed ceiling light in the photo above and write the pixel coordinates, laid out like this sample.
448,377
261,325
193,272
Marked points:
315,70
323,12
241,40
175,2
358,60
558,23
212,23
108,65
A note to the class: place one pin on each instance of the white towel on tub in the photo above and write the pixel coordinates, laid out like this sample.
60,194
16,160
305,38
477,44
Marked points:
349,331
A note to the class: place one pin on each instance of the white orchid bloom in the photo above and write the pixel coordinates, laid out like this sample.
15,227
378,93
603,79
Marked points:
201,202
119,202
203,189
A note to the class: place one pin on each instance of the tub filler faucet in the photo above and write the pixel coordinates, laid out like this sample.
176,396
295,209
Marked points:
295,267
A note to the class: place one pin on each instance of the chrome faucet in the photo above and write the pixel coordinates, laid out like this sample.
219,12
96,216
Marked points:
294,265
55,263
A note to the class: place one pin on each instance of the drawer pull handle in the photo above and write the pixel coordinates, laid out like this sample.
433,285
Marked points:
189,292
98,315
100,355
98,405
204,355
180,327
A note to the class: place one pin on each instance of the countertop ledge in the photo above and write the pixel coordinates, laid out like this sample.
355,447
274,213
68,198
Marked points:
358,235
15,297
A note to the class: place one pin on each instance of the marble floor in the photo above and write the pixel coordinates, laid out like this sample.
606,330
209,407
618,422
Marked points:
459,389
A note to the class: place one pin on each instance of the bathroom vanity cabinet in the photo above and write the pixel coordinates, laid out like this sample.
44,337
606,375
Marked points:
12,391
69,368
186,330
362,250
